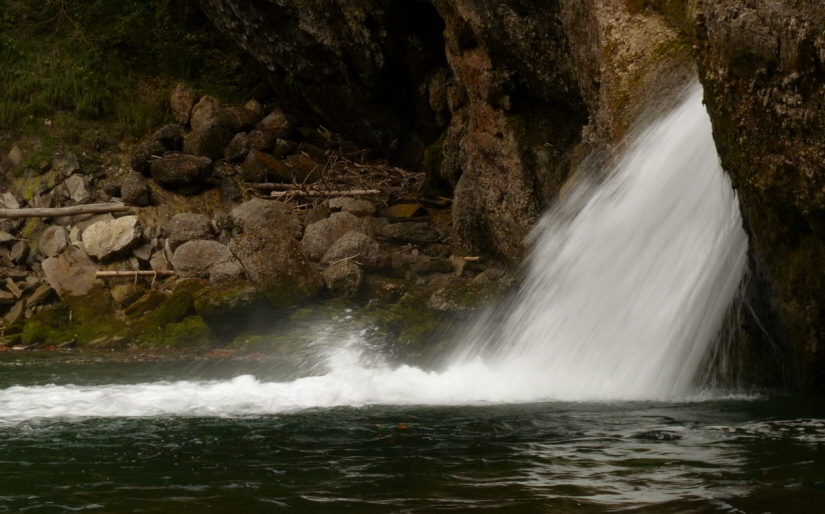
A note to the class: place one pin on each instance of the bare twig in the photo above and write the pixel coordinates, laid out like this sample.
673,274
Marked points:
56,212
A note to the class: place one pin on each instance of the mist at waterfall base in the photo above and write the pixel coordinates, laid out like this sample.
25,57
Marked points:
579,394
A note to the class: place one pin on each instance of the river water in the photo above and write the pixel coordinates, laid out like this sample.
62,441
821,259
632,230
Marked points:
712,453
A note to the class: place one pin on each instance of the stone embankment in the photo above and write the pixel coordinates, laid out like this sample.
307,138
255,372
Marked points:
251,215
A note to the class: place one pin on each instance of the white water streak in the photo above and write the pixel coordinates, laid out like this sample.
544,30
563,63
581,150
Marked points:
621,300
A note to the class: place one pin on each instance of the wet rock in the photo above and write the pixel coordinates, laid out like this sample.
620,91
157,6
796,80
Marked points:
170,137
144,155
53,240
343,279
135,190
175,170
238,148
358,247
320,236
204,112
264,141
197,258
77,186
185,227
278,264
66,164
209,139
262,217
106,240
277,123
356,206
181,101
418,233
71,273
228,307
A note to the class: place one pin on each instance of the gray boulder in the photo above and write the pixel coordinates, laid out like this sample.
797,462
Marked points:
264,217
320,236
263,141
279,265
358,247
240,118
343,279
198,258
135,190
106,240
177,169
185,227
226,272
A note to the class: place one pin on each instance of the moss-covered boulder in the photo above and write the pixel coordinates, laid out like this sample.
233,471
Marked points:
231,307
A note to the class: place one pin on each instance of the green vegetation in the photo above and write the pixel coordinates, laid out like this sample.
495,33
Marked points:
104,59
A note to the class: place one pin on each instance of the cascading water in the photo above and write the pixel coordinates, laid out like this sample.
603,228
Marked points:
627,285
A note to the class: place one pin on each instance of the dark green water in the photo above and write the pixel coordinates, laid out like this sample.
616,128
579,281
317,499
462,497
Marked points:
734,455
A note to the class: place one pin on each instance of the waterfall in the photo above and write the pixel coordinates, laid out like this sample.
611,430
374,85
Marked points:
628,281
626,287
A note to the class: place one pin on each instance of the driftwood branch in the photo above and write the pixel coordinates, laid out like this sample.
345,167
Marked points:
354,192
56,212
133,274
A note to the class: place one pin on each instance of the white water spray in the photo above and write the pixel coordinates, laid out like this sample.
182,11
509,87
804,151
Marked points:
627,285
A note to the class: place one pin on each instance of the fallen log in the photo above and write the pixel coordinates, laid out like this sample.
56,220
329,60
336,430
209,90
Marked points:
133,274
56,212
353,192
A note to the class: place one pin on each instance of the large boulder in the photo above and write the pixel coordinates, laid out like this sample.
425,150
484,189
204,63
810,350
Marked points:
238,148
196,259
260,167
106,240
320,236
343,279
359,247
175,170
277,123
264,217
185,227
278,264
210,139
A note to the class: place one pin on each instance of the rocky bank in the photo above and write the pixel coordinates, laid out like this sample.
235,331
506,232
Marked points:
469,118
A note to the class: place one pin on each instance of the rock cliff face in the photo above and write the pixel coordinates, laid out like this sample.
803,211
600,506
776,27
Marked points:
504,94
763,67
